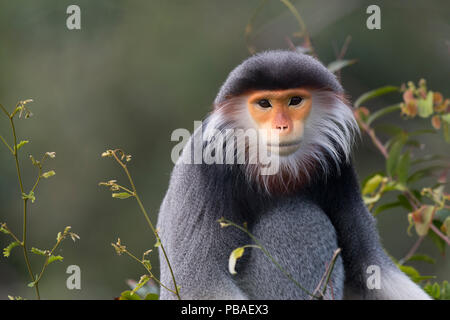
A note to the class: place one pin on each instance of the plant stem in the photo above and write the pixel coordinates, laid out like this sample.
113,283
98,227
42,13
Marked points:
412,250
144,212
372,135
287,274
149,271
440,234
24,237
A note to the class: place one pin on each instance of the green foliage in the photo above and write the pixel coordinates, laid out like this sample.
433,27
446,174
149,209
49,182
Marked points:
427,207
122,159
7,250
22,110
438,291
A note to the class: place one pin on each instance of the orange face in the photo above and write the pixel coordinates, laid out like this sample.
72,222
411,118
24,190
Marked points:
283,113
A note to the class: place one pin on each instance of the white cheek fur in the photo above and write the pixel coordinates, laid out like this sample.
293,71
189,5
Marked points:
329,133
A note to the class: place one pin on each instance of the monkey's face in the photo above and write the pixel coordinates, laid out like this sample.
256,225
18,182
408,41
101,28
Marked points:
282,113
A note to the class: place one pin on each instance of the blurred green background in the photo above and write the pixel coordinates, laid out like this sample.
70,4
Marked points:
138,70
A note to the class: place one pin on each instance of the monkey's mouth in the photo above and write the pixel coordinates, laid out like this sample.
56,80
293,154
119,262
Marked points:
285,148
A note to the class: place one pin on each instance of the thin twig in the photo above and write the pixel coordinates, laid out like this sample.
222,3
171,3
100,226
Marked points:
412,251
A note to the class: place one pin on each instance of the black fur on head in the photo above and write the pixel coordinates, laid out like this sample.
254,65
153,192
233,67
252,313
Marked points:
278,69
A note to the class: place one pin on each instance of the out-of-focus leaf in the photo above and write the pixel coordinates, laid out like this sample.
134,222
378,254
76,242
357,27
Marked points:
388,129
403,167
151,296
404,202
426,215
38,251
427,158
48,174
413,143
375,93
21,144
409,271
371,200
422,257
393,157
425,106
54,258
372,184
128,295
438,291
421,132
234,256
339,64
121,195
387,206
434,290
7,250
142,281
446,226
382,112
440,244
446,118
446,130
423,173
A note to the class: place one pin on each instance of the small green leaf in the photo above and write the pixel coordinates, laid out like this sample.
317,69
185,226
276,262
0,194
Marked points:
393,157
7,250
151,296
38,251
410,271
446,118
32,284
424,173
142,281
403,166
446,130
422,257
2,228
54,258
29,196
404,202
425,106
121,195
370,200
235,254
438,241
434,290
372,184
426,218
129,295
387,206
375,93
158,244
21,144
389,129
48,174
340,64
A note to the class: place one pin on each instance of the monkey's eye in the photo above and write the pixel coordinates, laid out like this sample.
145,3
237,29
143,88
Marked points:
295,101
264,103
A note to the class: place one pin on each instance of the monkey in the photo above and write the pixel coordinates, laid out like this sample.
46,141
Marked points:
302,213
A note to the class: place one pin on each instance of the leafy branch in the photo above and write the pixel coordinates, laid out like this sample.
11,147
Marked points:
237,253
122,159
20,110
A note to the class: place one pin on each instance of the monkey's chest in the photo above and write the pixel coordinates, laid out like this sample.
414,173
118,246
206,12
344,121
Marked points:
299,236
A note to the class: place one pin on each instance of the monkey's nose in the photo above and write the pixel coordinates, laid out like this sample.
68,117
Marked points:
282,127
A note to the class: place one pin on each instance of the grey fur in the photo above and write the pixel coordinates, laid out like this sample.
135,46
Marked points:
301,230
277,69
